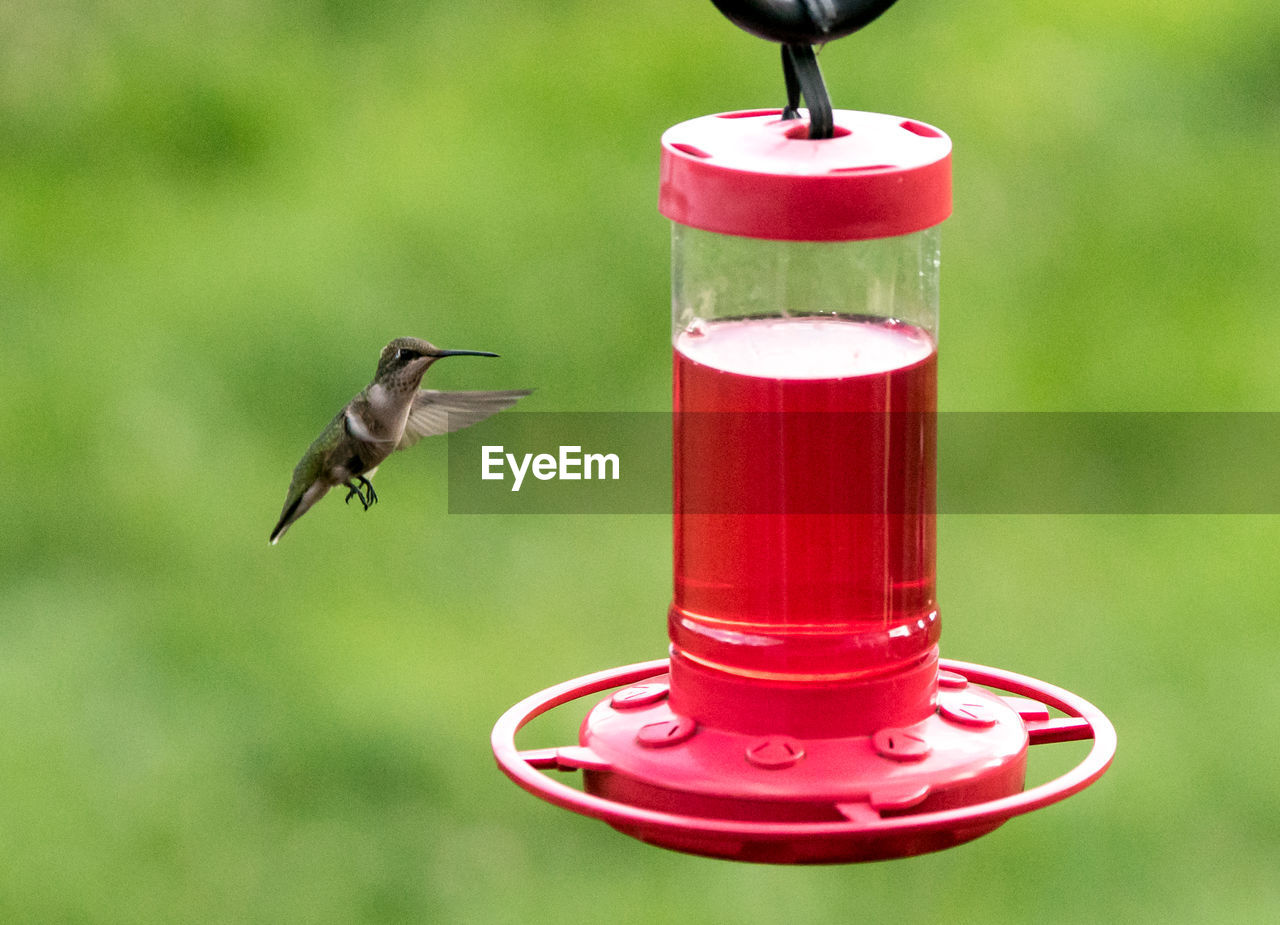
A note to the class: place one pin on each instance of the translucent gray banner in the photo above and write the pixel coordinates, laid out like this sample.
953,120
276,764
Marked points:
987,463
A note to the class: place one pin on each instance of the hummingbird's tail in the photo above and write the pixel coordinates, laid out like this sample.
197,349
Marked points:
296,507
285,519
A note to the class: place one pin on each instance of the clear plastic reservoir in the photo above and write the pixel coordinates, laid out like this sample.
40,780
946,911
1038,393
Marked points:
805,393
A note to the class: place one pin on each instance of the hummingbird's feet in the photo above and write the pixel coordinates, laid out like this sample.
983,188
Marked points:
368,497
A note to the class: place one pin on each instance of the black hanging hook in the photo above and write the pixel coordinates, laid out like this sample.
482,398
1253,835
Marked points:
799,25
804,78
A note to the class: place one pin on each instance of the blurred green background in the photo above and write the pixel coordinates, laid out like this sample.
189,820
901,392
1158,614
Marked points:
213,215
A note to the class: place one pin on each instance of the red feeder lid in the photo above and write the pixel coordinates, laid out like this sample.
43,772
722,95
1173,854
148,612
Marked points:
757,175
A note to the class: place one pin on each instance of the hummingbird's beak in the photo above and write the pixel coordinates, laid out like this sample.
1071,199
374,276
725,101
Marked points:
463,353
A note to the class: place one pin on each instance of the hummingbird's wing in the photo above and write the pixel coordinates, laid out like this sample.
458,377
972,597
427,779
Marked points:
434,412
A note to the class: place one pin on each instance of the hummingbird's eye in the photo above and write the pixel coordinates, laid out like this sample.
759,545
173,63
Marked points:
404,355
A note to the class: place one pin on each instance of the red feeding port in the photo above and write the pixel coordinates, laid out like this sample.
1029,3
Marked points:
804,714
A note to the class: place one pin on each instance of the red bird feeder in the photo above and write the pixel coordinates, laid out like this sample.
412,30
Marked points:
804,714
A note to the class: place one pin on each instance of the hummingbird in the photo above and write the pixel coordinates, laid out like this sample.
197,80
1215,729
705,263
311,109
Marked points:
391,413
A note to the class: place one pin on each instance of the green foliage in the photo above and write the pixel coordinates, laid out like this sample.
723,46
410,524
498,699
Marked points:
212,216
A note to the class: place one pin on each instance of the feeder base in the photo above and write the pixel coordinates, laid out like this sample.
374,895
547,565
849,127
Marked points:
972,749
665,780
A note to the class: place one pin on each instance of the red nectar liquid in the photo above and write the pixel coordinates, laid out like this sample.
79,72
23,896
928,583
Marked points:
804,497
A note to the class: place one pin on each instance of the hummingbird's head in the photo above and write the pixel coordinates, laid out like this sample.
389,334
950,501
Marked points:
405,359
